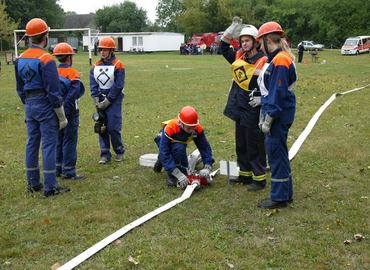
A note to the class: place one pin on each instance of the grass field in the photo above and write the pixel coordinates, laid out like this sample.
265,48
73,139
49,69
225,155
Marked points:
219,227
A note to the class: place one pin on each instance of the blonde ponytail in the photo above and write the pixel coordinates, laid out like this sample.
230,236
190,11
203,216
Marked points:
282,43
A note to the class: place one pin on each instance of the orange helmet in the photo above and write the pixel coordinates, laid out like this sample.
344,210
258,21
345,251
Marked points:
36,26
188,116
270,27
107,43
63,49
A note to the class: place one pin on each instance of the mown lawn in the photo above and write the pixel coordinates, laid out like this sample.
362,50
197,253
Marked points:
219,227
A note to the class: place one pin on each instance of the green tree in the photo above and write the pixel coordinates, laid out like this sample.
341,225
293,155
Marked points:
24,10
7,25
125,17
167,14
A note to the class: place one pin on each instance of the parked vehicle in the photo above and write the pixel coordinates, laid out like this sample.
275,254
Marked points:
209,39
356,45
310,45
199,39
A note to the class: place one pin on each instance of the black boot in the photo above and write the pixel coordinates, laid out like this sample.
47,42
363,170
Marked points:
56,191
33,189
257,185
246,180
171,181
158,166
270,204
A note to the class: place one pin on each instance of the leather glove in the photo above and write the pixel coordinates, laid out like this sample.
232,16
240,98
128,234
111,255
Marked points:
255,101
96,100
206,171
234,29
266,124
103,105
61,117
182,180
260,120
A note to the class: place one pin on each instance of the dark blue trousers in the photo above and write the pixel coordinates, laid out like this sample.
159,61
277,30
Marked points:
67,147
277,152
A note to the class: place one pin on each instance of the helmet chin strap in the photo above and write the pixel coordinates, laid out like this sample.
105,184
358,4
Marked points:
265,46
46,41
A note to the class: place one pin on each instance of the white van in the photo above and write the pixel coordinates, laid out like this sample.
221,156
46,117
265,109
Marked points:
356,45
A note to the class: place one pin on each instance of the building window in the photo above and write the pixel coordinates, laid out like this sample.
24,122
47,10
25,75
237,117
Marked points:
140,41
134,41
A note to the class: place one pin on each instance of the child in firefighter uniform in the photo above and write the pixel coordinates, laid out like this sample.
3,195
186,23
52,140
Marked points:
71,90
172,141
38,88
107,81
278,109
243,105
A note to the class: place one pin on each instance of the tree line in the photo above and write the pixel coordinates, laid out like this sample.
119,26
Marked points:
324,21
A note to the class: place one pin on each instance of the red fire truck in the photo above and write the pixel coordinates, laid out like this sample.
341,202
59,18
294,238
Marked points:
209,39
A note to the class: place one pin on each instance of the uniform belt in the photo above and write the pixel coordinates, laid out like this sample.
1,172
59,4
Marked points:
35,93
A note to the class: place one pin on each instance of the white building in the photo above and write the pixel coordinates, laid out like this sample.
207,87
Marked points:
141,41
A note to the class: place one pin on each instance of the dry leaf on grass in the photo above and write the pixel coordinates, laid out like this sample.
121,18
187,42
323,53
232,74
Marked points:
358,237
347,242
230,265
46,221
271,238
117,242
132,260
55,266
273,212
339,222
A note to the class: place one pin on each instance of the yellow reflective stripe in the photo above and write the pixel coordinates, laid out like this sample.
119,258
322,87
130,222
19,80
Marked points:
186,142
259,177
245,173
176,141
164,123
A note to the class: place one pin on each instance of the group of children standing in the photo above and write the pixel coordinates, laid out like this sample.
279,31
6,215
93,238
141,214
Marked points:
50,96
260,102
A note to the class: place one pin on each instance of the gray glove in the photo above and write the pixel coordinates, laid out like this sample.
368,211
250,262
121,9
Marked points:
266,124
96,100
103,105
234,29
206,171
61,117
260,120
255,101
182,180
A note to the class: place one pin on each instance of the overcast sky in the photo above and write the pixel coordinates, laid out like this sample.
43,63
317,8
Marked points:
84,7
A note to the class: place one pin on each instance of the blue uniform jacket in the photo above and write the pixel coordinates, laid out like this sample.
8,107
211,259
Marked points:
237,107
279,79
173,133
115,91
71,88
35,69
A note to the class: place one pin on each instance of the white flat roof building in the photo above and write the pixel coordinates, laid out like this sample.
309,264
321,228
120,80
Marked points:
141,41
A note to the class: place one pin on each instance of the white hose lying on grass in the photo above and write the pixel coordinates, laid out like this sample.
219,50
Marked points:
114,236
303,136
189,190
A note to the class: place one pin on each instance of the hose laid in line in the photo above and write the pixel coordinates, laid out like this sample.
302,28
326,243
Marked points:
303,136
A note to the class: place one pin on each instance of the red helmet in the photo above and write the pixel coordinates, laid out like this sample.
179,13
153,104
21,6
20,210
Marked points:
188,116
270,27
63,49
107,43
36,26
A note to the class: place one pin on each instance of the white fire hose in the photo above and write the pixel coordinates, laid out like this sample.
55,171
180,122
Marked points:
114,236
189,190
